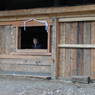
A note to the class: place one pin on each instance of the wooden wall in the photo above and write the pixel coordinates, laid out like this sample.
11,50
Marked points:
77,60
14,62
64,61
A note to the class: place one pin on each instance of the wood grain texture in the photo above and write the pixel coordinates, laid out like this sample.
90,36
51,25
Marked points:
73,51
62,33
62,51
75,55
87,52
93,50
68,51
46,11
1,40
77,46
54,48
80,31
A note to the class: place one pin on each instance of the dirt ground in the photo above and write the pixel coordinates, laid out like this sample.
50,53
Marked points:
22,86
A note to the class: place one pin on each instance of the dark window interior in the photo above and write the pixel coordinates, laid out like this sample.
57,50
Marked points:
26,4
26,37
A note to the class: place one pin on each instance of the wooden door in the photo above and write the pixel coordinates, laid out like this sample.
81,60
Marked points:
77,49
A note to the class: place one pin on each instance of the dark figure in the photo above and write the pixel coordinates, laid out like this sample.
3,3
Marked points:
36,44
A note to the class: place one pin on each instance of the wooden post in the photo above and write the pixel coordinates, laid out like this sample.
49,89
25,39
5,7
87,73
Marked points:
54,48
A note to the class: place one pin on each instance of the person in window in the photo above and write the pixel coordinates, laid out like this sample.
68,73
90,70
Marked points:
36,44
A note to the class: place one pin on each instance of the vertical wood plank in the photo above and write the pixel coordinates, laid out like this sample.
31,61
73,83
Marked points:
62,50
7,38
10,39
80,65
62,33
18,38
2,39
49,38
87,52
93,50
58,50
73,51
68,51
13,38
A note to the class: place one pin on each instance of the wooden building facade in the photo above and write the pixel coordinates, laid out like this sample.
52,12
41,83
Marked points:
70,42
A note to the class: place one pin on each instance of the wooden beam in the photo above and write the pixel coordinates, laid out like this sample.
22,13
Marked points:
88,46
46,11
77,19
23,56
32,75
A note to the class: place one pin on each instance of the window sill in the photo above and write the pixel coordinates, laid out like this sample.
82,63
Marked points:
32,52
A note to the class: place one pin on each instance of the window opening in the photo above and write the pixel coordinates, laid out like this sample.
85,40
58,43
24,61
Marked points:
34,37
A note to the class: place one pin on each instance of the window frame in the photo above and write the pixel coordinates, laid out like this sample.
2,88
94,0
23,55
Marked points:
33,51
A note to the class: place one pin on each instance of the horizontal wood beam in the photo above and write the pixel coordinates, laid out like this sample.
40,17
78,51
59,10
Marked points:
77,19
83,46
46,11
26,75
22,56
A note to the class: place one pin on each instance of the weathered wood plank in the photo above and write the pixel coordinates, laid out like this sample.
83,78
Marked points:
34,60
68,51
73,51
93,50
62,51
7,38
87,52
25,68
36,64
60,62
62,33
2,45
54,48
53,10
75,19
80,64
25,74
80,30
77,46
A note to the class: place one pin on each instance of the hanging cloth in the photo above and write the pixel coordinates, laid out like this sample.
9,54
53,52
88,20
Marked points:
40,21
